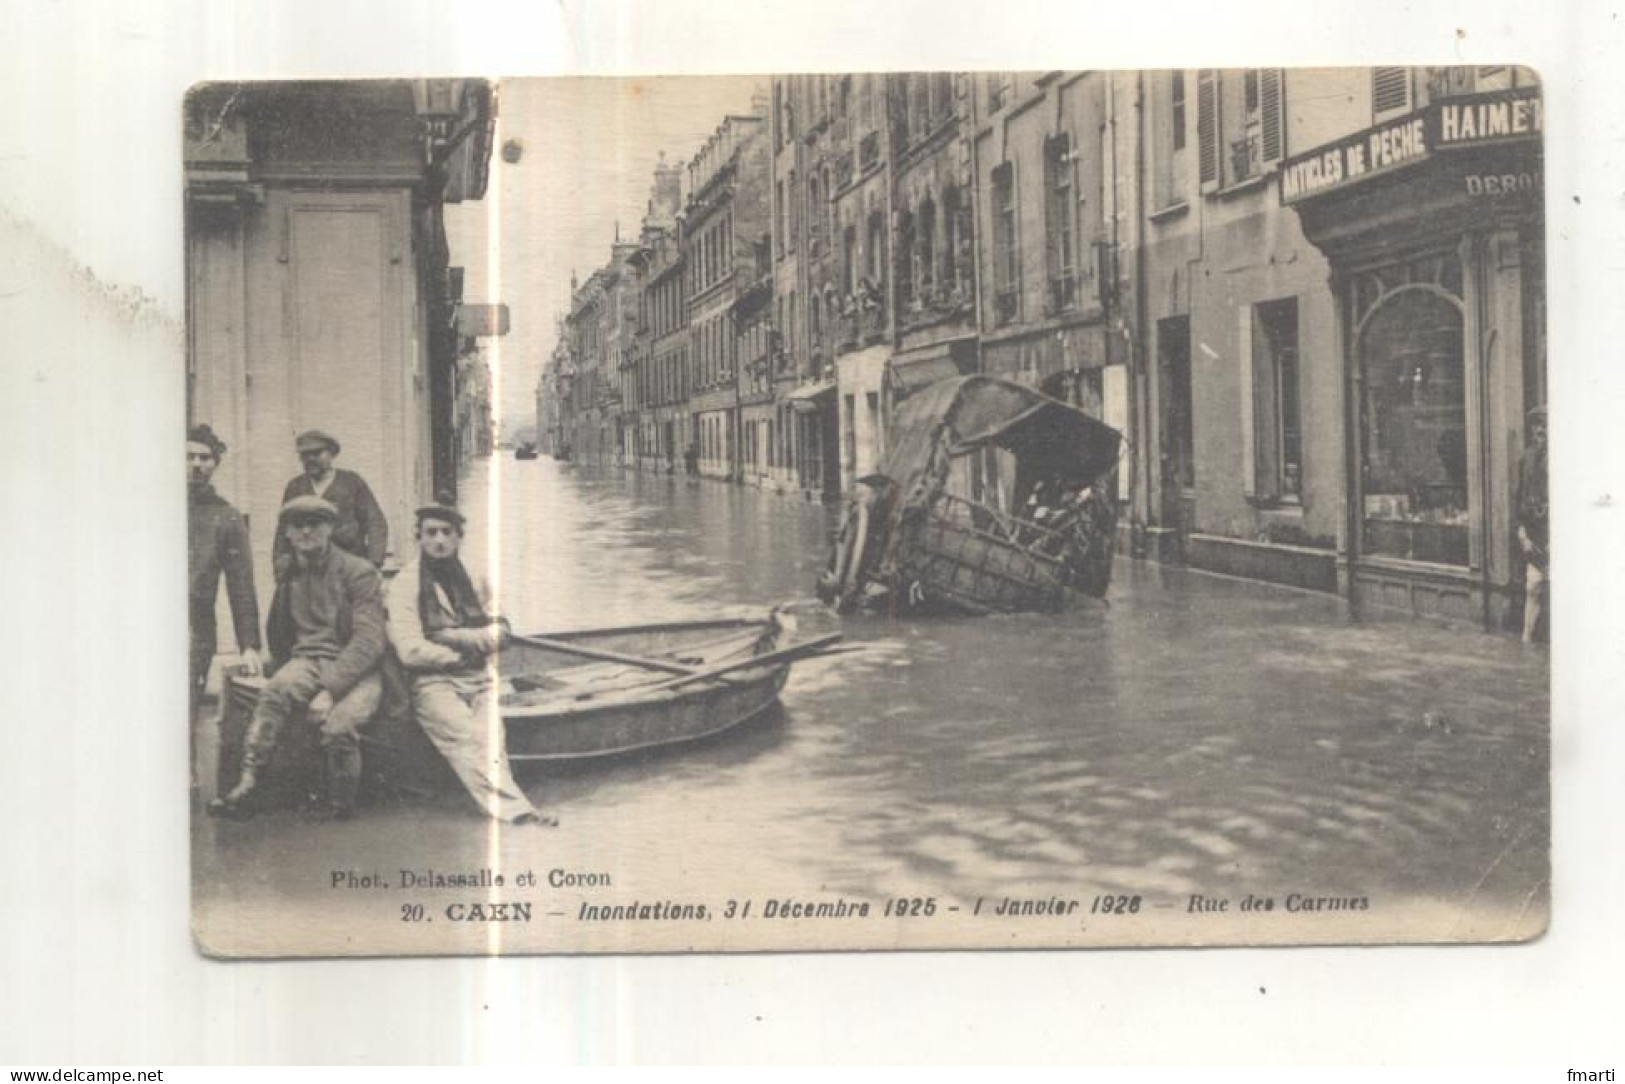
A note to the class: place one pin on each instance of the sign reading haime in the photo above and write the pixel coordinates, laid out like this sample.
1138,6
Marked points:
1450,124
1479,121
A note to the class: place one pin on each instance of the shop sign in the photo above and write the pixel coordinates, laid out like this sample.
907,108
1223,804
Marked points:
482,320
1355,157
1522,183
1452,124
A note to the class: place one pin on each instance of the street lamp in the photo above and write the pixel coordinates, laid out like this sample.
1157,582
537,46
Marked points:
438,103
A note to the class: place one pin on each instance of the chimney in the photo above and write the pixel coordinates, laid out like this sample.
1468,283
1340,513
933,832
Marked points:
668,193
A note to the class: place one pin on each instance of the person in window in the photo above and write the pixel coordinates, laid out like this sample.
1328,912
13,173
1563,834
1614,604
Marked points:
1533,537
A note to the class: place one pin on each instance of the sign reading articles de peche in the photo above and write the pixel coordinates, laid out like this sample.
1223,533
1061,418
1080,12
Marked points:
895,510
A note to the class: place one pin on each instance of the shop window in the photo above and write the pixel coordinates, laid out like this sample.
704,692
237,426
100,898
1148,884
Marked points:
1413,427
1272,428
1178,422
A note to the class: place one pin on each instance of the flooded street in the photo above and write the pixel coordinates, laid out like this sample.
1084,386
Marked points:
1198,735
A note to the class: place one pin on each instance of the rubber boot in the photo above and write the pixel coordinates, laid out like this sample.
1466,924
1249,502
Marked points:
343,779
235,804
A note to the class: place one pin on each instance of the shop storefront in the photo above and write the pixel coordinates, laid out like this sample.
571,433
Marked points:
1433,228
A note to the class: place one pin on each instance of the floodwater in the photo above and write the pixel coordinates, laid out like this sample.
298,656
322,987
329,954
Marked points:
1196,735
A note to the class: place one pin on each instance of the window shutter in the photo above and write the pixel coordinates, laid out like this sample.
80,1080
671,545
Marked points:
1207,127
1272,114
1390,90
1244,358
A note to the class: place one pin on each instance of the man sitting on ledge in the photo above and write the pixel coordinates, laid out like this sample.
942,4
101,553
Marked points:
442,629
326,634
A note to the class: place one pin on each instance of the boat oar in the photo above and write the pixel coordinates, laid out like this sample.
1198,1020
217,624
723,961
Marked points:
772,658
564,647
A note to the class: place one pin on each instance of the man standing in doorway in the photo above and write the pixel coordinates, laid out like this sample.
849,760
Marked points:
217,545
1534,537
326,633
443,631
361,528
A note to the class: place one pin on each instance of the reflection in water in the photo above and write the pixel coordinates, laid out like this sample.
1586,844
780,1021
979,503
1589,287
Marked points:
1194,734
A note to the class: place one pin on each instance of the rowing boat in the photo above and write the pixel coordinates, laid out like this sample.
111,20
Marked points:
557,707
562,696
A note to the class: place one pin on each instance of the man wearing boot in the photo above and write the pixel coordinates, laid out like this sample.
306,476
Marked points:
361,527
326,635
442,628
218,547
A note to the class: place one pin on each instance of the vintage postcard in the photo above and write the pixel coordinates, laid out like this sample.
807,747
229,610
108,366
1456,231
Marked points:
873,510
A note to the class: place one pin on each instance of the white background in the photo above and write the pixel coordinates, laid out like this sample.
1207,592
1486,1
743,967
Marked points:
96,964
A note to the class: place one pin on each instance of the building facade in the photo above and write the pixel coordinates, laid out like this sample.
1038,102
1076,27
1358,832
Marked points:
663,349
725,219
319,291
1313,301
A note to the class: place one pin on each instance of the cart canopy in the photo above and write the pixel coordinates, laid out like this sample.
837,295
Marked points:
1046,435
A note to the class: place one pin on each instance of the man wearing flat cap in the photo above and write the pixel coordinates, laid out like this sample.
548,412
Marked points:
361,528
217,546
446,636
326,633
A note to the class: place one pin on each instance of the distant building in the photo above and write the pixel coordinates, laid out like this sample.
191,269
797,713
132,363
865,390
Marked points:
662,346
725,218
932,198
1313,301
808,421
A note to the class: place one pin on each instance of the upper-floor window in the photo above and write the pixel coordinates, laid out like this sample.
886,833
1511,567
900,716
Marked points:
815,215
849,259
905,258
1176,109
1000,90
1006,258
1061,224
876,251
1390,92
942,95
1240,124
925,256
954,236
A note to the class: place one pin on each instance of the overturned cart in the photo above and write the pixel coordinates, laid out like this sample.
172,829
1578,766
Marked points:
992,499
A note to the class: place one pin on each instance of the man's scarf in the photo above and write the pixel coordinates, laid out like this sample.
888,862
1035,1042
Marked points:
448,573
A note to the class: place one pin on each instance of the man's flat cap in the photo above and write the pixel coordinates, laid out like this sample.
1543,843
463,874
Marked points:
444,512
308,507
312,439
203,434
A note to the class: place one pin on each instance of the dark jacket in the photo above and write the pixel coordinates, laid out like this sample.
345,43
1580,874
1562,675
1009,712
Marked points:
361,529
218,543
357,591
1533,507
